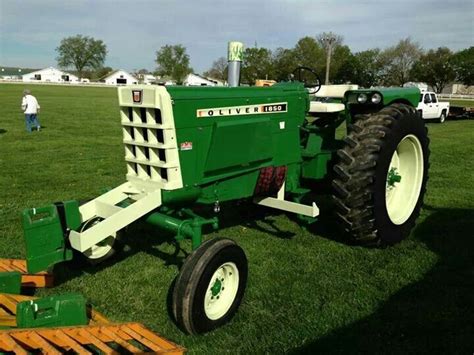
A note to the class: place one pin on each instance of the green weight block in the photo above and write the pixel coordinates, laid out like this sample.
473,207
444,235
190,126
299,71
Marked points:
10,282
55,311
44,235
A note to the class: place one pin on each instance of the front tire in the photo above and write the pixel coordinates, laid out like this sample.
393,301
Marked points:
381,175
102,251
442,118
210,286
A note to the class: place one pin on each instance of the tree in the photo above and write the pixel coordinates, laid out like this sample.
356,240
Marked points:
173,61
463,62
283,60
341,61
218,69
435,68
397,61
81,52
257,65
308,53
369,67
102,72
347,72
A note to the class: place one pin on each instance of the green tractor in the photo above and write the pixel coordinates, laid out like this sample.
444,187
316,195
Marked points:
189,147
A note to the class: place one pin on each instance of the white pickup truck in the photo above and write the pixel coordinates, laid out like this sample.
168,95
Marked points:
430,107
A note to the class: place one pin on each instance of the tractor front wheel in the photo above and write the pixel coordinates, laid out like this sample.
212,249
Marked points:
381,175
102,251
210,286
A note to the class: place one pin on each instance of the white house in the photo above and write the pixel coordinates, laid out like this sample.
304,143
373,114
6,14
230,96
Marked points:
50,74
419,85
147,79
120,77
198,80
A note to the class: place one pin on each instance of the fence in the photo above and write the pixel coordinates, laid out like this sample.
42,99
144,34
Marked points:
456,96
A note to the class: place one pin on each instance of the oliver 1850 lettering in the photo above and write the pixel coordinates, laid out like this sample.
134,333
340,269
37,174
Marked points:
277,107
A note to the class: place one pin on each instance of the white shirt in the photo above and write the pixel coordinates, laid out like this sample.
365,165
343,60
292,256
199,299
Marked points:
30,104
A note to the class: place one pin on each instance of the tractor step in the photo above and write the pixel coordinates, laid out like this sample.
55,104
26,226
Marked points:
41,279
99,339
9,306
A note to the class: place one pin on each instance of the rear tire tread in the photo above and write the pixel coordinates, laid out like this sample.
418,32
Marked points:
355,172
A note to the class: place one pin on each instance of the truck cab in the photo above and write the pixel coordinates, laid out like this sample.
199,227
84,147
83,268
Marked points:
430,107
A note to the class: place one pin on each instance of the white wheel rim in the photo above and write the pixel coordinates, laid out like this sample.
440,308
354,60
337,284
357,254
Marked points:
100,249
221,291
404,179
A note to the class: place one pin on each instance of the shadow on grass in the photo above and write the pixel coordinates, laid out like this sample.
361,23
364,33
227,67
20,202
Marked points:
2,131
141,237
134,239
434,315
252,216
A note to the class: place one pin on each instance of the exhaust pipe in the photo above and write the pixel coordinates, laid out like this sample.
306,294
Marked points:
235,55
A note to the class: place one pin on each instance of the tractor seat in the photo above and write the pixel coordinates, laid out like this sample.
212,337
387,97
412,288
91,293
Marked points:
333,92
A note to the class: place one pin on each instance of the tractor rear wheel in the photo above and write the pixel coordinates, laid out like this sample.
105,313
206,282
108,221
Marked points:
210,286
381,175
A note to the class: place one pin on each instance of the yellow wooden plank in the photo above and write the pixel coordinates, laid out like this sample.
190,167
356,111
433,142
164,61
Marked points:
8,302
34,341
164,343
7,320
113,332
11,345
70,342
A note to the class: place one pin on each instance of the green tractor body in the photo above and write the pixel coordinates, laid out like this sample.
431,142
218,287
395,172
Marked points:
189,146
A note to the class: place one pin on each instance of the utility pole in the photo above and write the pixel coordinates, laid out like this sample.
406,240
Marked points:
329,40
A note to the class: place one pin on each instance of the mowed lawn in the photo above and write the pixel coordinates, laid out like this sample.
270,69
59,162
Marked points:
464,103
308,292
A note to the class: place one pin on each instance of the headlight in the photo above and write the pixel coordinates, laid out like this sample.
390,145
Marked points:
362,98
376,98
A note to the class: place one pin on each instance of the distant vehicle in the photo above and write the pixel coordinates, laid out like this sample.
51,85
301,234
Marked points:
430,107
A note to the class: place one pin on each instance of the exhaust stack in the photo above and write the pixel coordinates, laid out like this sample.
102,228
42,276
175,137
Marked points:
235,55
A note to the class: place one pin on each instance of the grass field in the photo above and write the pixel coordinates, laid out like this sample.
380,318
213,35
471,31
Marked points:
307,293
464,103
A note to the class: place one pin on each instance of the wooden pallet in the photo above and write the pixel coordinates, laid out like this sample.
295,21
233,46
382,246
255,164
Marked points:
9,302
123,338
41,279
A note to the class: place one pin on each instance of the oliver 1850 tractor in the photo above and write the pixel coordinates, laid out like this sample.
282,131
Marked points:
188,147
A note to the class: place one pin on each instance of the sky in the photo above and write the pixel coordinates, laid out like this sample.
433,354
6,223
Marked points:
133,30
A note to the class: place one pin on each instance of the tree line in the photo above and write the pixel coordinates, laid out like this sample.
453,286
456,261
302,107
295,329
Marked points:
393,66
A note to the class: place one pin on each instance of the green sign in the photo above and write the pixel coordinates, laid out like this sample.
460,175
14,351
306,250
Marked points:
236,51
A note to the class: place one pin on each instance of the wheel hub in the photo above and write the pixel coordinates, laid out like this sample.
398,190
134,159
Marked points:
221,291
216,288
393,177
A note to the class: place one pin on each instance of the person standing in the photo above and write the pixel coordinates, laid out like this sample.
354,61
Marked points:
31,108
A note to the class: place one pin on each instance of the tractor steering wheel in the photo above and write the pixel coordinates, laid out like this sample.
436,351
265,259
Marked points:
308,77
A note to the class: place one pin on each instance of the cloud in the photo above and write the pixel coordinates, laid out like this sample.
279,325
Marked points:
134,30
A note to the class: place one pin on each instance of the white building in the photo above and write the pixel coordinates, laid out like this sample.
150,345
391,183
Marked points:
419,85
50,74
198,80
147,79
120,77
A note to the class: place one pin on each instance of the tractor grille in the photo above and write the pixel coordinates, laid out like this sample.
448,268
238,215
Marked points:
150,144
